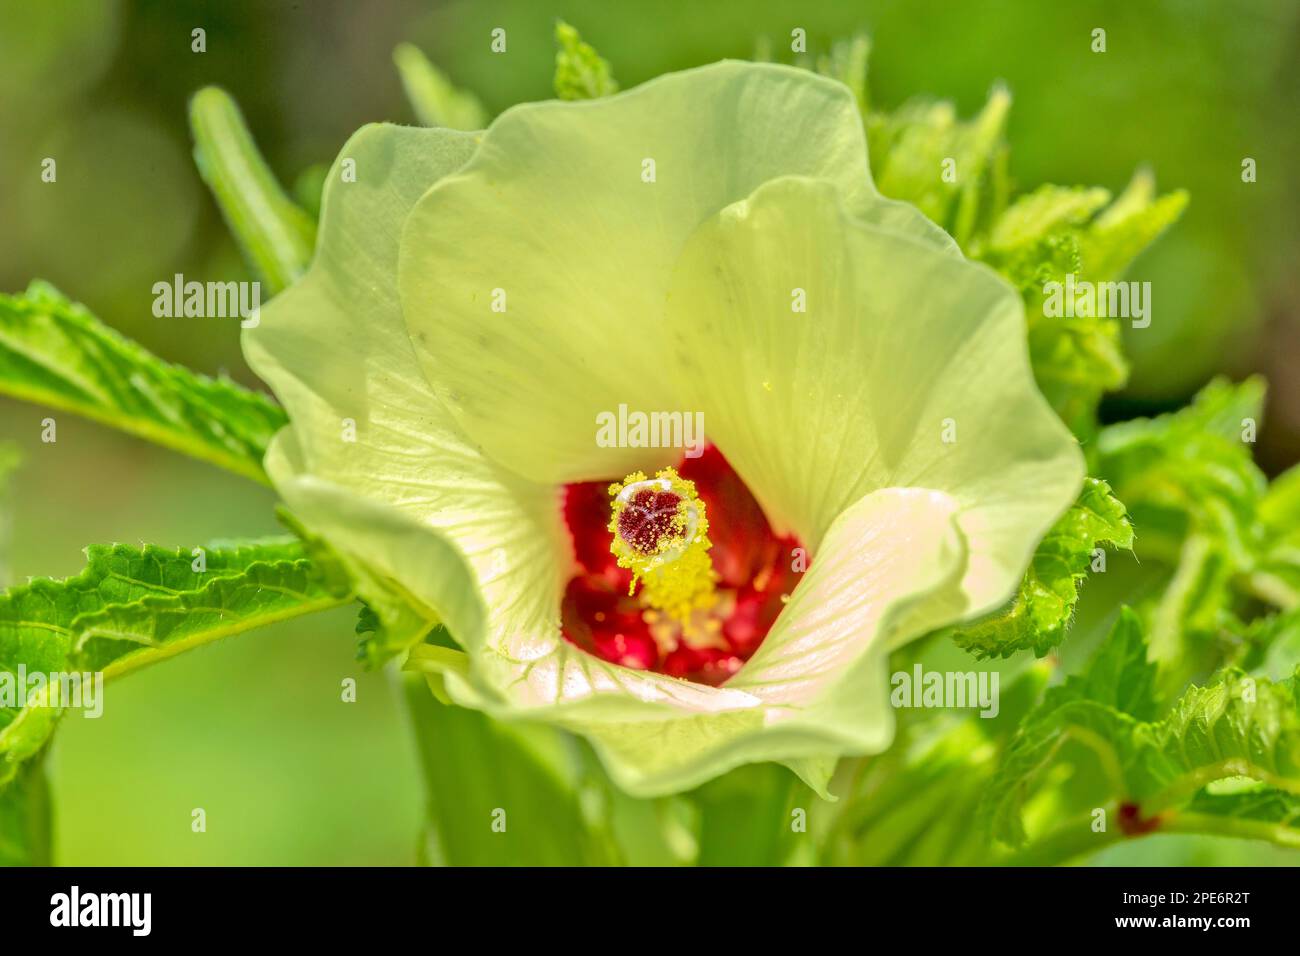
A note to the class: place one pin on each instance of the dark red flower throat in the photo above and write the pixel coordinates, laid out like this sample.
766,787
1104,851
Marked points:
756,571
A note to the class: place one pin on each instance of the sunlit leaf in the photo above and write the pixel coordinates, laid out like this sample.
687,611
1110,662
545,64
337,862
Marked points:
133,606
53,351
1039,615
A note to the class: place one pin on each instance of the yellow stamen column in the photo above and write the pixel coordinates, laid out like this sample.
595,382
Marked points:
660,533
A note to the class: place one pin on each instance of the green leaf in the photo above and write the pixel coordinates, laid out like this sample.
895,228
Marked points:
1258,802
1276,574
1234,726
131,607
1058,231
914,805
580,72
914,148
1076,361
955,172
1192,488
125,637
1107,239
1190,471
1035,216
1117,236
275,234
498,794
1039,615
1119,674
1195,610
433,97
1035,749
54,352
1111,694
1280,509
1271,645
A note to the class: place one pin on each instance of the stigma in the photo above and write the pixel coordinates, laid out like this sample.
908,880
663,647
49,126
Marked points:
660,533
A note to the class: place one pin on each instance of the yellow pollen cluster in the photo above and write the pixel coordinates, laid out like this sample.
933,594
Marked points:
676,574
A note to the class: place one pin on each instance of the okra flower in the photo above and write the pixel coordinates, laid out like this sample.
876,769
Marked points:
880,462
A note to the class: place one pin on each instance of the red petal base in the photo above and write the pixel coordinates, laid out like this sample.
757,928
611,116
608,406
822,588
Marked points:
755,571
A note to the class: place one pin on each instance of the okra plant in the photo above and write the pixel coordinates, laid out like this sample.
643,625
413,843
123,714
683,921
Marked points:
718,465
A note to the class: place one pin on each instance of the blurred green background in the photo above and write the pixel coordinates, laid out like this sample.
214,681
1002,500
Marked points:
253,730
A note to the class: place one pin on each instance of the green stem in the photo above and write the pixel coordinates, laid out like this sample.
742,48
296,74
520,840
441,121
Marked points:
274,232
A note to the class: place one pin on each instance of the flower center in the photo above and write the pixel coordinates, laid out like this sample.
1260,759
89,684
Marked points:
679,573
661,536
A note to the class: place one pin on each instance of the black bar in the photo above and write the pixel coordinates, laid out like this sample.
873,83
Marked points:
727,906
